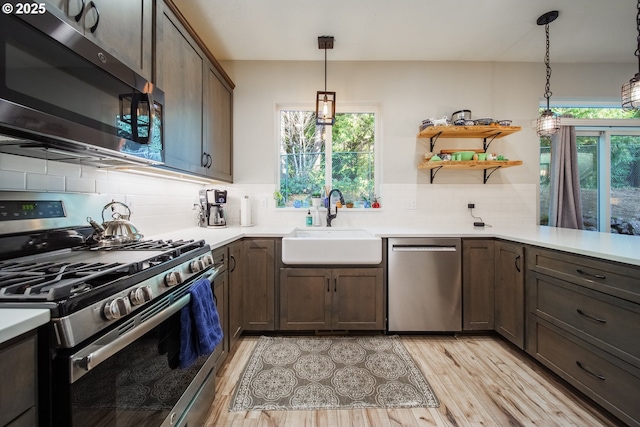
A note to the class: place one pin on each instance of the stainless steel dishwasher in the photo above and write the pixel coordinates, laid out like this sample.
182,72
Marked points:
425,286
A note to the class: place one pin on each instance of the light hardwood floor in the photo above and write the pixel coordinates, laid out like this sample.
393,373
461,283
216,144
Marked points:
479,380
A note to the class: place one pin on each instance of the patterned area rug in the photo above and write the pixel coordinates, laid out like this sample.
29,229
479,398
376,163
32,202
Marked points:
302,373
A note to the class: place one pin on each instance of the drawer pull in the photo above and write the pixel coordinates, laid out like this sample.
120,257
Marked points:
600,377
582,313
595,276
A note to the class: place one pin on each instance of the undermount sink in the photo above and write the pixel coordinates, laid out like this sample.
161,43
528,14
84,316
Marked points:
331,246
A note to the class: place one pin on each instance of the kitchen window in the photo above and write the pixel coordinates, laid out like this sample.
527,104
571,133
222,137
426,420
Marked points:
315,158
608,143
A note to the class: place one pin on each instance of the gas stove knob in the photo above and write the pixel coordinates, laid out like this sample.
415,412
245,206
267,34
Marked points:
208,260
141,295
116,308
173,278
197,265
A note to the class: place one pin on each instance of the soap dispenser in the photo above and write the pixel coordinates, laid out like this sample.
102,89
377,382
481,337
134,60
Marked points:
309,220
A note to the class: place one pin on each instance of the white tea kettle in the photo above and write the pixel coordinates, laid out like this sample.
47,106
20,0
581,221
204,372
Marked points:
119,230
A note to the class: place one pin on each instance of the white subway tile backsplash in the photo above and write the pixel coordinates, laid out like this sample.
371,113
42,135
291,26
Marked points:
79,185
38,182
9,162
11,180
162,205
63,169
103,186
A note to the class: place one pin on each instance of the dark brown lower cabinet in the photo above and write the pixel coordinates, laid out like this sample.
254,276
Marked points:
236,291
18,387
583,323
509,291
259,284
478,282
332,298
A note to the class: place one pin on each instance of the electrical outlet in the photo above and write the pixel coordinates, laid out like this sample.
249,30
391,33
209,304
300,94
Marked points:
263,202
471,205
410,204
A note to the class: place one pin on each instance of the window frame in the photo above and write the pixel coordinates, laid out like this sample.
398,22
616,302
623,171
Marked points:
341,108
603,129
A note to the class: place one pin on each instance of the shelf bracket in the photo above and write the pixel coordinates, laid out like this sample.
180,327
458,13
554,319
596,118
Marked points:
486,177
486,145
433,139
433,172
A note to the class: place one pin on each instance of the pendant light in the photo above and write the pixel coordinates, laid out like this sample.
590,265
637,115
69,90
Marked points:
548,123
631,89
325,101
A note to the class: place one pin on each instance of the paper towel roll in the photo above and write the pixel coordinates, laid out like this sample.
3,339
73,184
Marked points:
245,211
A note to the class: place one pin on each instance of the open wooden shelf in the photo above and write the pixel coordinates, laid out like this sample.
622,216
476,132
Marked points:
483,132
491,165
468,131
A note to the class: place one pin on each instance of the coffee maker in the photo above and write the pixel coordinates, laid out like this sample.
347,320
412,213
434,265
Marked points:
212,203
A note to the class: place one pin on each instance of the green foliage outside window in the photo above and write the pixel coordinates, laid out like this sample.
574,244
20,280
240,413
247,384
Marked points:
303,158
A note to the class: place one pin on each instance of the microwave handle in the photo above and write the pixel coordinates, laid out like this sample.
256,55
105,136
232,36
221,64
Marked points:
102,353
152,116
148,98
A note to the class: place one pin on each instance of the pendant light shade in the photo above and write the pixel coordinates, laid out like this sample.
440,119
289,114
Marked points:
325,108
548,123
325,101
631,89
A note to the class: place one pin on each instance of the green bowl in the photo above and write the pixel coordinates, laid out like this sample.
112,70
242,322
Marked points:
465,155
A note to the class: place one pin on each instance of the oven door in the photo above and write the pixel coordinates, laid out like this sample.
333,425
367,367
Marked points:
130,376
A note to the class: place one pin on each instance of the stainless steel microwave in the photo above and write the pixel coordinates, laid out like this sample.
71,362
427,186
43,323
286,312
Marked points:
64,98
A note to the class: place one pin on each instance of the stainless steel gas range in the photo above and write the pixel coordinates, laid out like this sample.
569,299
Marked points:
109,356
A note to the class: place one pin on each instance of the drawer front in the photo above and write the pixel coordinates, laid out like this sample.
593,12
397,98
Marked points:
616,389
616,279
613,323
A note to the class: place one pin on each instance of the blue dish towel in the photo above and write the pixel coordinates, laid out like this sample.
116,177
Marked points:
200,330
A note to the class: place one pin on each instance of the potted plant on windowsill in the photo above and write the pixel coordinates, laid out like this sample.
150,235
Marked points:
316,200
349,204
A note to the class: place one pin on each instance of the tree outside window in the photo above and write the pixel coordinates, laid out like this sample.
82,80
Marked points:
609,201
314,159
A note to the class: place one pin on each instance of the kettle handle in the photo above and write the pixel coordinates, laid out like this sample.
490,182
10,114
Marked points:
115,203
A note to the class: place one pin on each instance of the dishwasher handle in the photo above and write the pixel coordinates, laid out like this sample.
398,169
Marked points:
423,248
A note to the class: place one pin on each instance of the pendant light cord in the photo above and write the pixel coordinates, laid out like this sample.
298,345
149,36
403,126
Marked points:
547,88
325,66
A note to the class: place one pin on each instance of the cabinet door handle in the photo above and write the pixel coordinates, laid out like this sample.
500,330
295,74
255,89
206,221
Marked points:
596,276
203,160
234,263
516,264
328,284
79,15
582,313
94,27
335,284
210,161
600,377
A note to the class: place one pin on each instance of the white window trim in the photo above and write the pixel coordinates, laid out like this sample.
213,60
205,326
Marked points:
341,107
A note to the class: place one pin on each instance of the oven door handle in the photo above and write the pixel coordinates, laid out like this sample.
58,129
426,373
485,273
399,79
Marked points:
102,353
215,273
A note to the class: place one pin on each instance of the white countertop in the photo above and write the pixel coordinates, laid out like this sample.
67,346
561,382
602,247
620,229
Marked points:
612,247
17,321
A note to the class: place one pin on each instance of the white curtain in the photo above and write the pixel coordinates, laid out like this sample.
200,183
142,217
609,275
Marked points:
565,206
